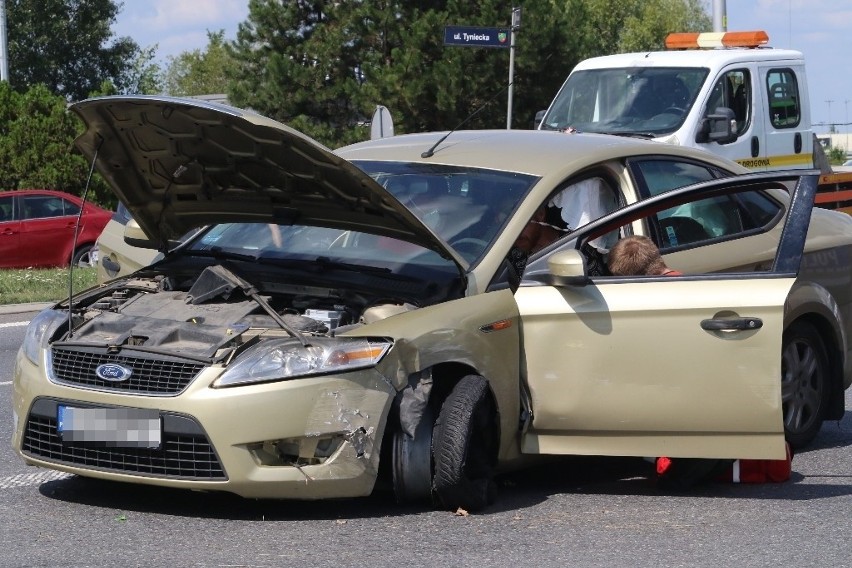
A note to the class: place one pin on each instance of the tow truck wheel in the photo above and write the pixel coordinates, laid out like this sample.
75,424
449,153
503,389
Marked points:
464,447
804,383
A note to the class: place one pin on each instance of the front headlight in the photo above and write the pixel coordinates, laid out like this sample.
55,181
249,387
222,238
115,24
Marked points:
283,359
39,330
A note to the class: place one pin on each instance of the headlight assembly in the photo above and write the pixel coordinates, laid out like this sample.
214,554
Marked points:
39,330
284,359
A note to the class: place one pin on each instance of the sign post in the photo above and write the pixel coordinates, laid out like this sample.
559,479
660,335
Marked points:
468,36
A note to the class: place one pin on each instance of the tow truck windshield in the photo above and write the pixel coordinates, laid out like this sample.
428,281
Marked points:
637,101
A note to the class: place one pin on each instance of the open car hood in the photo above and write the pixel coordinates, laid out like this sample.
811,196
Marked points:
178,164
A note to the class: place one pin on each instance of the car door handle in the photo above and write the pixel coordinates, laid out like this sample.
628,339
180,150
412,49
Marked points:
731,324
111,266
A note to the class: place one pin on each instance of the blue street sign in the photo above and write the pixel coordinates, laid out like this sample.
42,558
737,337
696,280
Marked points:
466,36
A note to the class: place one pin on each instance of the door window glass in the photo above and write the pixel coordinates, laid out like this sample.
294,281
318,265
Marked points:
783,92
6,209
733,91
43,206
703,220
715,218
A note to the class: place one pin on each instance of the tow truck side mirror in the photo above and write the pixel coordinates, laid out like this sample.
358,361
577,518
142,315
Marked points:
720,127
539,116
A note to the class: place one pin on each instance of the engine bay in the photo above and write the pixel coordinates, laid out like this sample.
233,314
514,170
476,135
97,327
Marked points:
215,315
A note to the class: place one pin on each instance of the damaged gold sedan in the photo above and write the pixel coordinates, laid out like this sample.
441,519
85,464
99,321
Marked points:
342,314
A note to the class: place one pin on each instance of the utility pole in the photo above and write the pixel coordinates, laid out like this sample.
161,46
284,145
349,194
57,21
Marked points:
4,52
846,146
830,126
516,23
720,16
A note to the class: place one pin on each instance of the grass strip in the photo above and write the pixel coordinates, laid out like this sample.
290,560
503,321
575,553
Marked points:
42,284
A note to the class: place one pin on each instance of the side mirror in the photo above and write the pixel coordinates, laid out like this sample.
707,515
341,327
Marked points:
720,127
568,268
539,116
136,237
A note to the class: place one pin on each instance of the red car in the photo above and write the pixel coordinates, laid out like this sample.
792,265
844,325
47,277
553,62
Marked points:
37,229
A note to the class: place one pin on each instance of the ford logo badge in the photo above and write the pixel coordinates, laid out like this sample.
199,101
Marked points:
113,373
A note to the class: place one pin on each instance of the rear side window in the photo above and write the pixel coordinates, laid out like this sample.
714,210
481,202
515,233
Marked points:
656,175
784,101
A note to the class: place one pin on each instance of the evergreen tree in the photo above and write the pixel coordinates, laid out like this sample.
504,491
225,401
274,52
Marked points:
323,66
295,62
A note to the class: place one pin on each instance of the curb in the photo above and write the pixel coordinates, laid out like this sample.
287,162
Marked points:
24,308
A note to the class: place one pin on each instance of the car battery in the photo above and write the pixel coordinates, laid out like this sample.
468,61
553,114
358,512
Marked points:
331,318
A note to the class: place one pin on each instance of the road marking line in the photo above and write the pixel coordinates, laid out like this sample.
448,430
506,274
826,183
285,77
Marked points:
14,324
3,383
28,479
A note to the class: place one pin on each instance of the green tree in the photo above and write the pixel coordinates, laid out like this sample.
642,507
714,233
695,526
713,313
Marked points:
66,45
836,155
36,144
200,72
297,63
323,66
143,75
429,86
622,26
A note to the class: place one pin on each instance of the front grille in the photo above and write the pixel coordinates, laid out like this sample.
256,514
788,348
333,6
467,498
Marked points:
155,376
185,452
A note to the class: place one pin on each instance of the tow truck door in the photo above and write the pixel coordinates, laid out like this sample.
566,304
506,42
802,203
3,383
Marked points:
787,122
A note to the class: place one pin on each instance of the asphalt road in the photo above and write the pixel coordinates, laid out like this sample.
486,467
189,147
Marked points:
574,512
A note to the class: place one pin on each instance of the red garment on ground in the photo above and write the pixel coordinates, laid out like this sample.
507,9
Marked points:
760,471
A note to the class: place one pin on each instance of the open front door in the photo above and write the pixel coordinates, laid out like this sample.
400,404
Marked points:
685,366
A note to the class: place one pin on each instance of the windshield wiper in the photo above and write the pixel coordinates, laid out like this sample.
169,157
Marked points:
326,262
221,254
321,263
630,133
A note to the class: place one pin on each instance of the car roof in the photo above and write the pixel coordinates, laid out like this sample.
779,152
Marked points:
711,58
40,192
535,152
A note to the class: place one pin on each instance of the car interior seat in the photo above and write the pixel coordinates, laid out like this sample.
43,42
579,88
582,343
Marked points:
739,104
677,231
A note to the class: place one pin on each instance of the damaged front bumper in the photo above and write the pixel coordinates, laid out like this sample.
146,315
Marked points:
310,438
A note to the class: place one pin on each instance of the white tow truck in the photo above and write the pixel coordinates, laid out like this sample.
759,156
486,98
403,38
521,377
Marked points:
727,93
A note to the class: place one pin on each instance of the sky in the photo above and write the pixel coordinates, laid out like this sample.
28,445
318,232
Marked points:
820,29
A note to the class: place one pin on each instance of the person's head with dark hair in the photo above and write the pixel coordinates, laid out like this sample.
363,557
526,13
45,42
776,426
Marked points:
637,256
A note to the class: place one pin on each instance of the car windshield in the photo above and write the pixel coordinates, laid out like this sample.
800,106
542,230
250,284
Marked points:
465,207
635,101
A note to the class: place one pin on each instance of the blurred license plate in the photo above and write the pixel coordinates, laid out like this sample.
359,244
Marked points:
110,427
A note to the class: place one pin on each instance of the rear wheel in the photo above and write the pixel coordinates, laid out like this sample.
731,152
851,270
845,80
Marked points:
464,447
804,383
83,257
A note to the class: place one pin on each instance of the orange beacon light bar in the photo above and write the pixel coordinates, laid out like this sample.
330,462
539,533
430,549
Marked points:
716,39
